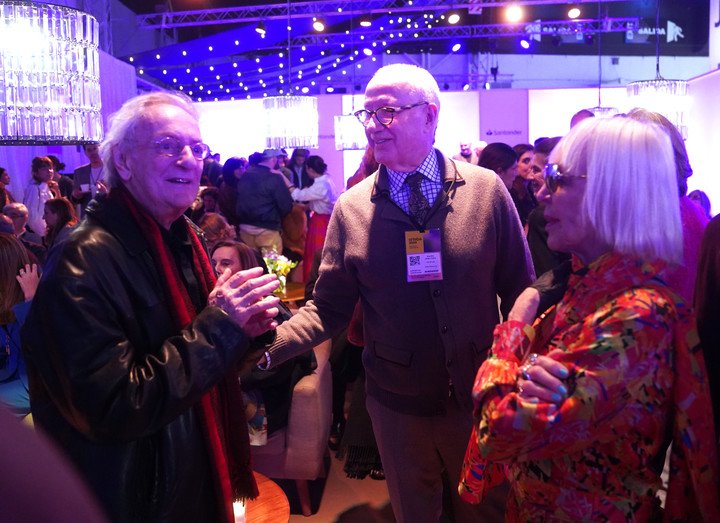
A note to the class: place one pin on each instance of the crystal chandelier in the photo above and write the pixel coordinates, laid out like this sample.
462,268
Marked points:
292,121
667,97
49,75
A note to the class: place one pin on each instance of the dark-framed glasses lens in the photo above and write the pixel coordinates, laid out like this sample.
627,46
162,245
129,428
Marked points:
552,176
363,116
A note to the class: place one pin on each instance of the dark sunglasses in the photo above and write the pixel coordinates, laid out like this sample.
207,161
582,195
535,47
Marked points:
554,177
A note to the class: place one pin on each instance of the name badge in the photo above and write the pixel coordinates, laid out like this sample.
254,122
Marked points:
423,254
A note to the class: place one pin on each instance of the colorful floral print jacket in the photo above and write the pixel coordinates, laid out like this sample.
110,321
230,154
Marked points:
637,379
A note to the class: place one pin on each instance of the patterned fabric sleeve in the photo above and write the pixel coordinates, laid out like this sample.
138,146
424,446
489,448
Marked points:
618,354
620,366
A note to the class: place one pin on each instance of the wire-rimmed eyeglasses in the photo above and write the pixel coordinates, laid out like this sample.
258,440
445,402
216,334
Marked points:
171,146
384,115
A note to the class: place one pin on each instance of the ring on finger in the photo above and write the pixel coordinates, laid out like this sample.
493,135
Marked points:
524,372
532,358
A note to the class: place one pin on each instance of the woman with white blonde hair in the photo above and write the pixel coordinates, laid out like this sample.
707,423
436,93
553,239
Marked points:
583,391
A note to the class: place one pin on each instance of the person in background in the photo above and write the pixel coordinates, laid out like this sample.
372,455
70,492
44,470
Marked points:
682,277
87,179
368,165
502,159
707,309
300,178
212,172
65,183
18,214
18,281
38,191
209,197
232,170
544,258
701,199
133,347
320,198
216,229
581,115
60,219
425,336
466,153
273,389
5,194
522,189
581,395
263,201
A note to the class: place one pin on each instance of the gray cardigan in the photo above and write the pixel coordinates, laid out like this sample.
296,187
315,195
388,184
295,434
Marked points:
423,341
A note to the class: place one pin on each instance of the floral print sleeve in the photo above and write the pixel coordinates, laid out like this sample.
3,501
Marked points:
620,365
591,457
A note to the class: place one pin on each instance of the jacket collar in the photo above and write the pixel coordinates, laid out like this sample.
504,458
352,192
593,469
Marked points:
117,220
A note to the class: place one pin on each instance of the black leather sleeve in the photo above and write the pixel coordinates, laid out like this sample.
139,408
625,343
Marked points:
102,345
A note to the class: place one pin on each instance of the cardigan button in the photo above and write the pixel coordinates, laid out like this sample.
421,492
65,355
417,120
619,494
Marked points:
436,292
444,329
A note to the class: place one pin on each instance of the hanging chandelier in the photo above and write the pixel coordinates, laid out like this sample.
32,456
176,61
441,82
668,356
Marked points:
667,97
50,79
292,121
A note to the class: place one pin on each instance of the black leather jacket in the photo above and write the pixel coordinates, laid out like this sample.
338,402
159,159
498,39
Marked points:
114,382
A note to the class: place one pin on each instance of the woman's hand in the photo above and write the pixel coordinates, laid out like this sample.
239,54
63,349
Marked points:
526,306
28,278
542,378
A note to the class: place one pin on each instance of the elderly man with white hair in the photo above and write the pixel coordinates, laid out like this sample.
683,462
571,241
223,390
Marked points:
133,347
426,244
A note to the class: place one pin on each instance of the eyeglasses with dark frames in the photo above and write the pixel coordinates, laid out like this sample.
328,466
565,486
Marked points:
384,115
171,146
554,177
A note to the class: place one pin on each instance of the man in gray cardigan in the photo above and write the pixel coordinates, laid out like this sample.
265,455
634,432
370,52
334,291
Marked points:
428,269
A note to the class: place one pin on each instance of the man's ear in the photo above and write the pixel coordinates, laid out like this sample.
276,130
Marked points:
120,158
431,114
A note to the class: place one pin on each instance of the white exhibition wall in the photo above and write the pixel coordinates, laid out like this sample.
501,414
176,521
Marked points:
703,138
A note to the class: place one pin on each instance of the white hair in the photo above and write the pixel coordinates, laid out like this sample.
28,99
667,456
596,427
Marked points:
416,81
124,123
631,194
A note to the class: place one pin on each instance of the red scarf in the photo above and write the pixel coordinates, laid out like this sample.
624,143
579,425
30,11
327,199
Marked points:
221,408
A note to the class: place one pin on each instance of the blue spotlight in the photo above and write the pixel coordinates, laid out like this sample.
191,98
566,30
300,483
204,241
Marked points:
456,47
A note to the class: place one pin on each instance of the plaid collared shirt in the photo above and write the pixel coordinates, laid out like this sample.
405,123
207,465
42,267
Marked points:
431,185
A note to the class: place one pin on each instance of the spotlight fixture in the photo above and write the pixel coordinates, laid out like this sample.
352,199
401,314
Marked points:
525,43
453,18
260,28
318,24
514,13
456,47
573,12
365,21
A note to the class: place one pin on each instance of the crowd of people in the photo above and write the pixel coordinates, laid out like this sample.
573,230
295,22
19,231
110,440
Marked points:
537,342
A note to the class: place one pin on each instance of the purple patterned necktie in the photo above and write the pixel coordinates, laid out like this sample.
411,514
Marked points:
417,203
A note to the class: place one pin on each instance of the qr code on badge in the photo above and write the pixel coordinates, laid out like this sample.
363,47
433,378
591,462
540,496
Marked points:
414,260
